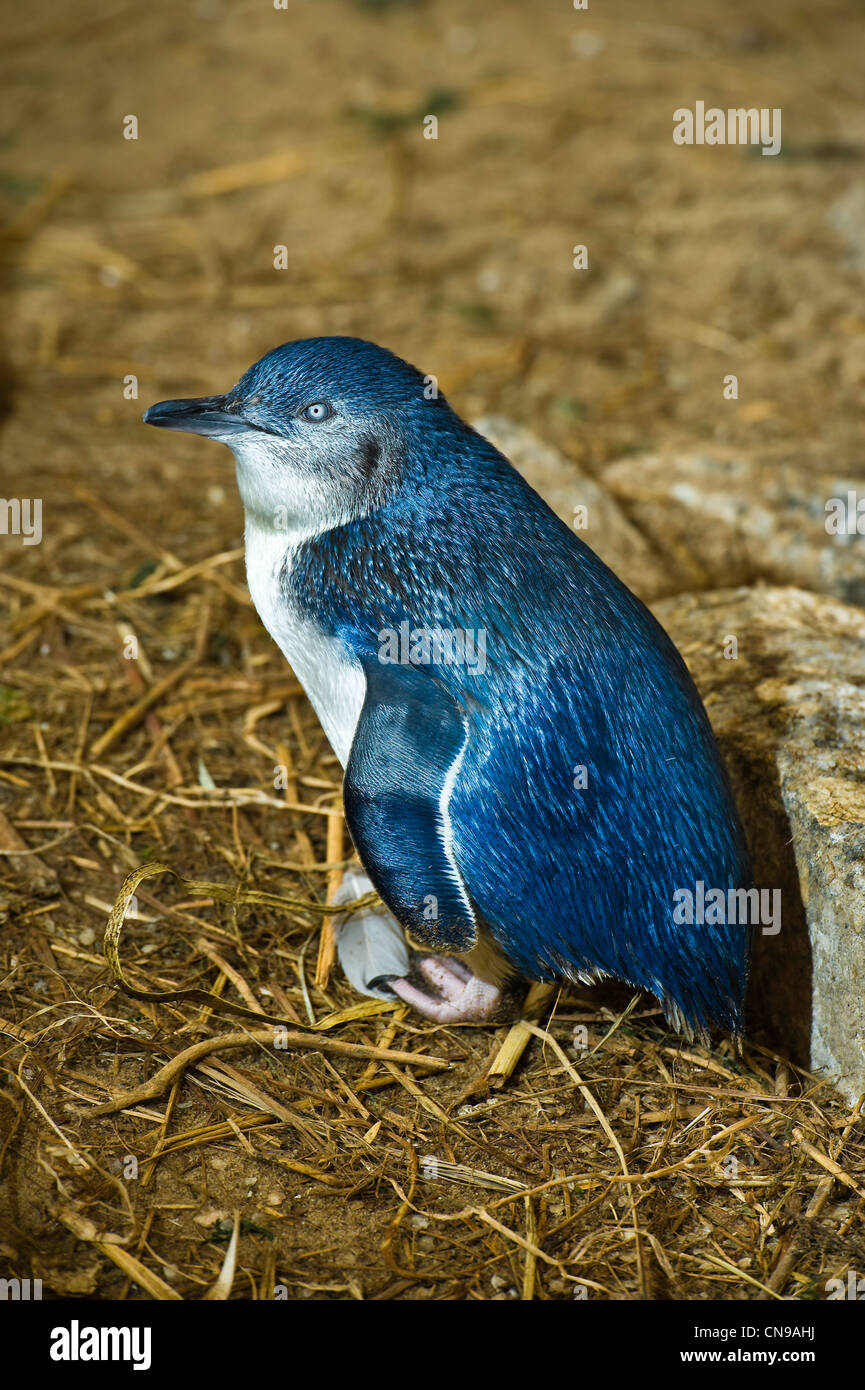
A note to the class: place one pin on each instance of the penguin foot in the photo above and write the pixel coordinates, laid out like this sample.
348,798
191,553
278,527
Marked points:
374,954
464,997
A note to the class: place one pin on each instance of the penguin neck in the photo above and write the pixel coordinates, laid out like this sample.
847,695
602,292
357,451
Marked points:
333,682
271,541
289,516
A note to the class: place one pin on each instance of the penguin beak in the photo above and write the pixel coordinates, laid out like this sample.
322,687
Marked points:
207,415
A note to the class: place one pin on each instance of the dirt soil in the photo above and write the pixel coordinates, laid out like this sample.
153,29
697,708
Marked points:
616,1162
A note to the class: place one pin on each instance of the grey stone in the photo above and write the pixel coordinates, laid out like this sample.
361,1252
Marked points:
721,519
788,710
789,714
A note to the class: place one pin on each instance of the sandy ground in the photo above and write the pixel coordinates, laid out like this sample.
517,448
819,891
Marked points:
153,259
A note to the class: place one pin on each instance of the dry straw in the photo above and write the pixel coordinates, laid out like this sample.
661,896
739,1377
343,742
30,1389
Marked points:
368,1153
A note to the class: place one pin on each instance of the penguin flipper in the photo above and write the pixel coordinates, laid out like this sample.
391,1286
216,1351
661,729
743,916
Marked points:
407,750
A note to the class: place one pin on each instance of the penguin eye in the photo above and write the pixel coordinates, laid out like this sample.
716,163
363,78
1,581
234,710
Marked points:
316,412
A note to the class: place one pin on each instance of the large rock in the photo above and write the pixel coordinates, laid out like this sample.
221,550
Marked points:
721,519
788,708
789,713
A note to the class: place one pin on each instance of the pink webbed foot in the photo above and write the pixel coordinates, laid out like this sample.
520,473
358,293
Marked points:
464,998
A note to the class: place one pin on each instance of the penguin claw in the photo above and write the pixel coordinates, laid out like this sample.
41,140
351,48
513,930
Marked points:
466,998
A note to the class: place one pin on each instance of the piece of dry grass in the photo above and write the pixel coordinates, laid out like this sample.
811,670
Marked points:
633,1166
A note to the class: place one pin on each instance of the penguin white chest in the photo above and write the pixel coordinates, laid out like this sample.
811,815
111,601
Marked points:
333,680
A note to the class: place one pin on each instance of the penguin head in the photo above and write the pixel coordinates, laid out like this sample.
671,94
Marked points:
318,428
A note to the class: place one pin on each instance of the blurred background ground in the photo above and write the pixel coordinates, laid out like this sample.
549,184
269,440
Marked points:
154,258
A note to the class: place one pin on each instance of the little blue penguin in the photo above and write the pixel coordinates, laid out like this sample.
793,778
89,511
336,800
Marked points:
530,778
